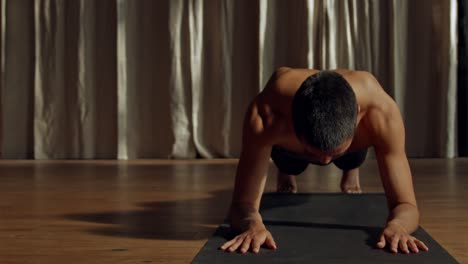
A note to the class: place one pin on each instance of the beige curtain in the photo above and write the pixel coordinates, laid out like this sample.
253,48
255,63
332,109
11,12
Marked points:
172,78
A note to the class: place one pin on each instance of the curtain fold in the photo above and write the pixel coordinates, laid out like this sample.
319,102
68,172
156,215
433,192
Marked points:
462,81
172,78
17,78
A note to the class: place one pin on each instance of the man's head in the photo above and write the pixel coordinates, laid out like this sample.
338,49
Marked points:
324,111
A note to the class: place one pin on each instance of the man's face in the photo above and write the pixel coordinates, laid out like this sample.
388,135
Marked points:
325,157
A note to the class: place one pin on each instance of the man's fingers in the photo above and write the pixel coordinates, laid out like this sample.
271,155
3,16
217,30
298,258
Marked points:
421,245
256,243
245,245
394,244
249,240
381,243
403,245
236,245
270,242
228,244
413,246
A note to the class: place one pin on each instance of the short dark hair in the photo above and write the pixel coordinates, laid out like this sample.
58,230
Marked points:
324,110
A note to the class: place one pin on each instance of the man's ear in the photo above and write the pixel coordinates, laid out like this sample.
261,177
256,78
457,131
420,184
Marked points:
358,109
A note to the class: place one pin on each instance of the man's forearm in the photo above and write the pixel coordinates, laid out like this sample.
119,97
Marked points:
248,189
406,215
244,211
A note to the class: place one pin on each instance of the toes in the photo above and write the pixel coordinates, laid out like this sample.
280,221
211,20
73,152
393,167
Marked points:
352,190
286,188
357,190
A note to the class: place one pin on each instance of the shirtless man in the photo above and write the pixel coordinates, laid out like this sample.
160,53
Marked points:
308,116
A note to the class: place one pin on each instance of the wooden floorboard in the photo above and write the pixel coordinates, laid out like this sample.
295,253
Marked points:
159,211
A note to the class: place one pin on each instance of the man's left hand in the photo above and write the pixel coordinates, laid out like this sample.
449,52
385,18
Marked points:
398,238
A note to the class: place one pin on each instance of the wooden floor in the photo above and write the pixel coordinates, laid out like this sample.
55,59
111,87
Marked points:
164,211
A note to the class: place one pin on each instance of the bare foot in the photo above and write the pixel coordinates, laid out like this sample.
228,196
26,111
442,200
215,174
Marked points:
286,183
350,181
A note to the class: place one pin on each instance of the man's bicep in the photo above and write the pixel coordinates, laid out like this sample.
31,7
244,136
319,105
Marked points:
255,140
255,129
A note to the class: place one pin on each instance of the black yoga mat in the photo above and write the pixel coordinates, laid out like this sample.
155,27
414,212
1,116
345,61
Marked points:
322,228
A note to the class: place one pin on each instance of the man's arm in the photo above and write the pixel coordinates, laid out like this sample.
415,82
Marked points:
396,177
251,169
249,185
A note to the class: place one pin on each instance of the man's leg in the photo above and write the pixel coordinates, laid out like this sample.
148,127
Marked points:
350,181
288,167
350,164
286,183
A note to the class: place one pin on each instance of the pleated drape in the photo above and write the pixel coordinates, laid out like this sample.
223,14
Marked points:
172,78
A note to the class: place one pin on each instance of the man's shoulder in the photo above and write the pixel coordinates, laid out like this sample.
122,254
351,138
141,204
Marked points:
286,77
279,79
286,80
362,79
264,123
383,121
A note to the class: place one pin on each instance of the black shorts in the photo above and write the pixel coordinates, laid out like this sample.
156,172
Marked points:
290,163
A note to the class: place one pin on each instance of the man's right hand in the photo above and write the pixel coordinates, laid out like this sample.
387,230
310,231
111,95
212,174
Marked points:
252,238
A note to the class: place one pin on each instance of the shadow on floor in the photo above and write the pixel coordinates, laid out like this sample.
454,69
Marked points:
193,219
